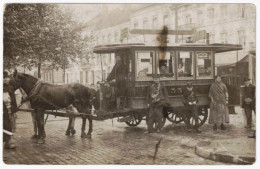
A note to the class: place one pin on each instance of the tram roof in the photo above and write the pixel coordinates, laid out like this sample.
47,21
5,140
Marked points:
217,47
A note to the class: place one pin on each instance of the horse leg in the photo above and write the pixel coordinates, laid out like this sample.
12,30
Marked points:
83,134
34,121
72,130
90,127
40,124
69,126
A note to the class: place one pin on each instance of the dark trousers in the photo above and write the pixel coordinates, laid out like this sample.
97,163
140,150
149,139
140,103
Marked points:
6,125
248,112
192,111
155,118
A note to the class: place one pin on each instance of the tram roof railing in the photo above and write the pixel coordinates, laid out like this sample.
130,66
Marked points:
217,47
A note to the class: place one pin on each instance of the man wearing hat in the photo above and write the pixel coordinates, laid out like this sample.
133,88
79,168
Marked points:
190,101
248,100
157,98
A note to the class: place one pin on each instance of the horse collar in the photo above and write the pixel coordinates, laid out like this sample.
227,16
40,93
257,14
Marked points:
35,88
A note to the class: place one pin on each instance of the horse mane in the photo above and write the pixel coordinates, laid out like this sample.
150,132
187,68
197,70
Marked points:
28,76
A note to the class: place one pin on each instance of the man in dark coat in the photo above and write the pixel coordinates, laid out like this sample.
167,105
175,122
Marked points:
190,101
119,73
248,100
157,98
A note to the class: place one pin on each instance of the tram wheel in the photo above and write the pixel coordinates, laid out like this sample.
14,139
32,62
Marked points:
173,117
203,115
135,122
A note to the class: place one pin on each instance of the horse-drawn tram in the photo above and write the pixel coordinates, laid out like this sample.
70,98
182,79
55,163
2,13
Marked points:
123,94
176,65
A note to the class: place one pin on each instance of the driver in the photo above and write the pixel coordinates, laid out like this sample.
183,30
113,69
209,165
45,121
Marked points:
119,73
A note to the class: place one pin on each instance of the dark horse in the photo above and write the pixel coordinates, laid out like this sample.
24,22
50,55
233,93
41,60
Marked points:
44,96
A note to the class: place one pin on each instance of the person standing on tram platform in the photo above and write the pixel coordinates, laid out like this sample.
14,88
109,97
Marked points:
157,98
218,95
119,73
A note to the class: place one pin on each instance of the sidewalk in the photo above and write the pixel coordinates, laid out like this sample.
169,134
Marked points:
238,149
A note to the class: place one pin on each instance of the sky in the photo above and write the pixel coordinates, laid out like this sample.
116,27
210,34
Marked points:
85,12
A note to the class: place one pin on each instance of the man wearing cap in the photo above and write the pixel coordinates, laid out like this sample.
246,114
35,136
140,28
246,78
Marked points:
190,101
156,98
248,100
119,73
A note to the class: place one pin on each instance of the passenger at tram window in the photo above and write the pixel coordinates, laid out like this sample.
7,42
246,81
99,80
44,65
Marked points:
207,71
180,68
164,69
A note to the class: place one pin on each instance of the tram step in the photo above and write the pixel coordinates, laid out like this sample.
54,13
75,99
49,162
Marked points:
124,119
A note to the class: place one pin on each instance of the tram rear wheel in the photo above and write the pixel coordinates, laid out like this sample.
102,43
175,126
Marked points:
202,114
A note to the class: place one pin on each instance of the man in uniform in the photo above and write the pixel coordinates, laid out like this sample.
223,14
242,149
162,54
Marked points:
157,98
119,73
190,101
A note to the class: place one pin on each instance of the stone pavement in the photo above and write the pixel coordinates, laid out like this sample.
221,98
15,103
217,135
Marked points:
116,143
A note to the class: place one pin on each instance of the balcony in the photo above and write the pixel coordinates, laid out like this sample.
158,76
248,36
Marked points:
188,26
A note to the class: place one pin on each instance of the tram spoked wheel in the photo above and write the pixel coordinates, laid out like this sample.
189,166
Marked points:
174,118
135,122
202,114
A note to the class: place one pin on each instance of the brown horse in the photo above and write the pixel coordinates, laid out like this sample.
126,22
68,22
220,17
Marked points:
44,96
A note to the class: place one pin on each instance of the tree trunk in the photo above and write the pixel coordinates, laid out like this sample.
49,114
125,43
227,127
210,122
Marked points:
39,70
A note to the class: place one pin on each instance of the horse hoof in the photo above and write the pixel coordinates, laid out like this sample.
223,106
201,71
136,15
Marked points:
88,136
73,131
83,135
67,133
41,141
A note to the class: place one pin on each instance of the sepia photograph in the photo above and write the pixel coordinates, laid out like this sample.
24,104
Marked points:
129,83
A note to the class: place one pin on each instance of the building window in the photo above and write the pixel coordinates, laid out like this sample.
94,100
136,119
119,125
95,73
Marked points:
188,19
81,77
211,38
200,18
155,23
86,77
224,11
211,15
103,39
93,77
135,25
145,24
166,20
116,37
241,10
224,37
109,38
241,37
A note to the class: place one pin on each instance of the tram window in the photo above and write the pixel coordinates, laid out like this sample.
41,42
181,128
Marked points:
166,64
144,64
204,66
185,64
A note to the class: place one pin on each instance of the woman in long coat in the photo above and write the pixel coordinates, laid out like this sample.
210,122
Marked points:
219,104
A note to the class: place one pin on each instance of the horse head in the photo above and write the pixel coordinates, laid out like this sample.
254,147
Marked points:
25,81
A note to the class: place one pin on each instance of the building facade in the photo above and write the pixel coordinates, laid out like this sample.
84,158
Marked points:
225,23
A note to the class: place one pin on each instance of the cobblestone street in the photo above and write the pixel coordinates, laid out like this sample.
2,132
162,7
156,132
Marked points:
114,143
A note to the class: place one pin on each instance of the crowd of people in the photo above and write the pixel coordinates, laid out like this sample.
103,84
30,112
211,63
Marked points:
157,98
